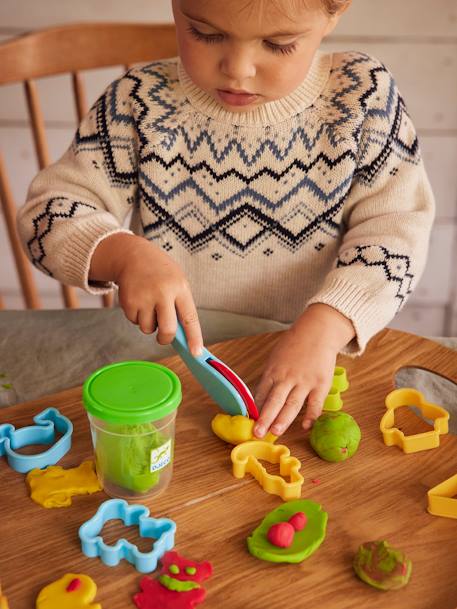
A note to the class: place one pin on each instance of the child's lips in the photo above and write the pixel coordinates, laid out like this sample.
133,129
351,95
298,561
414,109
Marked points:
236,99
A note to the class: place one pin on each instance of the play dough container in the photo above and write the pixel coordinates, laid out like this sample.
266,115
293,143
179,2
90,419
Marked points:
132,409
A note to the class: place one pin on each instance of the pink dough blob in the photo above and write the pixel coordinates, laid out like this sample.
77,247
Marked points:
281,534
298,521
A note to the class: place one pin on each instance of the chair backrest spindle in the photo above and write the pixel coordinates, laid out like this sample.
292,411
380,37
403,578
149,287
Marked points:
23,267
59,50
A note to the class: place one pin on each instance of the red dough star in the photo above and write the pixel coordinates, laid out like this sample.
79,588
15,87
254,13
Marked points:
177,587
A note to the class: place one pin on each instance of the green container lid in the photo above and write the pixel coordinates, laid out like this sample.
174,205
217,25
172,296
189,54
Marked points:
132,392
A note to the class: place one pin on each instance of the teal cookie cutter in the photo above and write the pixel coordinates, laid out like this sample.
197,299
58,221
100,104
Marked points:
162,530
44,432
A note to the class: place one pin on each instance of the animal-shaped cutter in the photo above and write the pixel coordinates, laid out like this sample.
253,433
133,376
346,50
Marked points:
44,432
161,530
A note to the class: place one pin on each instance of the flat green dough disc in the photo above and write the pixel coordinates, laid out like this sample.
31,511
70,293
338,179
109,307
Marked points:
305,541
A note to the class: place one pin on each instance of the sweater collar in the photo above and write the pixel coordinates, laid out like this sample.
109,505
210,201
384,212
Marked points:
266,114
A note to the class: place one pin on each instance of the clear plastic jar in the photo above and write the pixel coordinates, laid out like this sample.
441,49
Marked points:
132,409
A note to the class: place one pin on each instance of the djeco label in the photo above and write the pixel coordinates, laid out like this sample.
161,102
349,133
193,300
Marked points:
161,456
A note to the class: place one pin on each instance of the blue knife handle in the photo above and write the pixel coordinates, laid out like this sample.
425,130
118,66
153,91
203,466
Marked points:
217,386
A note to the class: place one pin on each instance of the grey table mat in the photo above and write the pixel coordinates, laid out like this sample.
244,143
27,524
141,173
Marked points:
43,352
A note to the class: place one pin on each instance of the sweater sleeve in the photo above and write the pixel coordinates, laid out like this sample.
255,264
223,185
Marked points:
85,196
387,219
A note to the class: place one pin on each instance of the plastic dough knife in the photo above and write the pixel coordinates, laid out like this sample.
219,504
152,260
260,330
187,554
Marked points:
223,385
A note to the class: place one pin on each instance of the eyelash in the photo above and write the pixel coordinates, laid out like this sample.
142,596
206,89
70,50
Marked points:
214,38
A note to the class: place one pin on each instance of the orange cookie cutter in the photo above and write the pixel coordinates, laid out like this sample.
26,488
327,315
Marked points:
245,459
340,384
441,498
422,441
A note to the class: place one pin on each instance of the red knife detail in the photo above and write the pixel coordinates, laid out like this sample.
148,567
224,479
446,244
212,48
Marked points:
242,389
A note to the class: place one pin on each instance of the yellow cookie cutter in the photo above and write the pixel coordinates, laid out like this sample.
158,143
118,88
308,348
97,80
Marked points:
416,442
441,498
340,384
245,459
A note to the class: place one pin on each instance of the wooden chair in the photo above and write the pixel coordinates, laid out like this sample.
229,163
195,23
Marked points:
68,49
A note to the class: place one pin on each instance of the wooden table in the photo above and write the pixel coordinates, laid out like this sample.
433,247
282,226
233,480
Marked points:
378,494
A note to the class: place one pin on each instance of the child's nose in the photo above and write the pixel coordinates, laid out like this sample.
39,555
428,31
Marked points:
238,65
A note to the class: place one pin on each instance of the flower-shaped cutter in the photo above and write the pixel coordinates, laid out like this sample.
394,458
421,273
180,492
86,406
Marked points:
333,402
414,443
245,459
162,530
44,432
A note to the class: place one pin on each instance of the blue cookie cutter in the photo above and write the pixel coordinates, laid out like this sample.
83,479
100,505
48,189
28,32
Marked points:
162,530
44,432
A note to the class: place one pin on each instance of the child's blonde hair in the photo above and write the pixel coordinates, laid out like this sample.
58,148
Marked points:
333,6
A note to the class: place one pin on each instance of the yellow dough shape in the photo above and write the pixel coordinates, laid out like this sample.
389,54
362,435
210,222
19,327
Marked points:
237,429
54,486
72,591
3,600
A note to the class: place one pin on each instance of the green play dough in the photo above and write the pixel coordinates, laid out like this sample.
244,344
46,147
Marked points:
124,455
381,566
335,436
305,541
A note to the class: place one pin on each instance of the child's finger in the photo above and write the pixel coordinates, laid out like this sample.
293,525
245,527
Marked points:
129,307
263,389
272,405
188,316
294,403
146,321
167,323
314,405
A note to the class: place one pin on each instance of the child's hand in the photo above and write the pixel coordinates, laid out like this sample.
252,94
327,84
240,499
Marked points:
152,287
300,368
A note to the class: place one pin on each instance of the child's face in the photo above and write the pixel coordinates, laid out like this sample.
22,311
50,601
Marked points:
245,53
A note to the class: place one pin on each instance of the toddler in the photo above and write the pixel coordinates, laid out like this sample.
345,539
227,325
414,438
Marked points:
265,177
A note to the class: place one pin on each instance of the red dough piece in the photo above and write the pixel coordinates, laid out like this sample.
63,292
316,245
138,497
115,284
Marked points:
74,584
281,534
155,595
298,521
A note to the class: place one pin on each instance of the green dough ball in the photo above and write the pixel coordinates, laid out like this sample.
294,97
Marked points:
305,541
335,436
381,566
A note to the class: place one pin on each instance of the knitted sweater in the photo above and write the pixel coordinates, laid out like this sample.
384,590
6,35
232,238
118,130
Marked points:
318,197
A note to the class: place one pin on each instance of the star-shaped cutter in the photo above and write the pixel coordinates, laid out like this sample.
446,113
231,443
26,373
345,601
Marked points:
441,498
162,530
245,459
414,443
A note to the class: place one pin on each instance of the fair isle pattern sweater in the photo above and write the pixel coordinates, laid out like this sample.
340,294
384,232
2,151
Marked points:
320,196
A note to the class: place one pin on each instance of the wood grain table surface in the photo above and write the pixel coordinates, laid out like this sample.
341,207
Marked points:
380,493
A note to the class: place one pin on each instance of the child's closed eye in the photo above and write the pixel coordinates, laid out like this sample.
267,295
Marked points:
285,49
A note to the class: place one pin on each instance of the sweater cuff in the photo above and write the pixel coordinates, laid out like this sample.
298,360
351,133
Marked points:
357,305
78,251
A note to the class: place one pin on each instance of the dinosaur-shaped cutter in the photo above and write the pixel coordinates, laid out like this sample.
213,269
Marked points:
162,530
245,459
44,432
